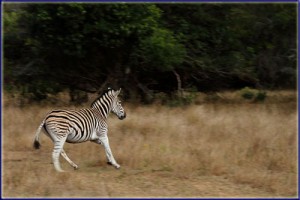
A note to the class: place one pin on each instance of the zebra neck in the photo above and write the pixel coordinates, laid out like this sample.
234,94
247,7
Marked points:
103,106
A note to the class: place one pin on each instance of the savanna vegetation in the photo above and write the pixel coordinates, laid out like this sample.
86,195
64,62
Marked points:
209,90
201,150
147,48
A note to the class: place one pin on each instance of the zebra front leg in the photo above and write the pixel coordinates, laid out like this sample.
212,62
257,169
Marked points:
110,158
63,153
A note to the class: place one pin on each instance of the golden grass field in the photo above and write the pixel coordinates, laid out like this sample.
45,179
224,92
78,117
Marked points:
205,150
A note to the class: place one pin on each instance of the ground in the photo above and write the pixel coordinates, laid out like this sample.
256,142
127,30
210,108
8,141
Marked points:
219,149
101,180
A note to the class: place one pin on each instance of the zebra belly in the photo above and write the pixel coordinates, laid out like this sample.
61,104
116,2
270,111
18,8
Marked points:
74,142
77,137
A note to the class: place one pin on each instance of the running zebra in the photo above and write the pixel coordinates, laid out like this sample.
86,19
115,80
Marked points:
80,126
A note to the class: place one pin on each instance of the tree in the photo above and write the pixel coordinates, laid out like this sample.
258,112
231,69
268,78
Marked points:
82,46
236,45
148,48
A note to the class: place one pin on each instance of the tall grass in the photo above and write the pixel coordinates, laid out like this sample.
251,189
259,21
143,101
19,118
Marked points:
254,144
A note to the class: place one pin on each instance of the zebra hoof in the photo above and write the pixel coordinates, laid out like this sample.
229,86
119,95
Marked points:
117,166
76,167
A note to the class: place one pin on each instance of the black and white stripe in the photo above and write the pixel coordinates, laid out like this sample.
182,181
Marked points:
80,126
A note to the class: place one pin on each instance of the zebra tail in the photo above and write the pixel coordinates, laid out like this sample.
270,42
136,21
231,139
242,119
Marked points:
36,142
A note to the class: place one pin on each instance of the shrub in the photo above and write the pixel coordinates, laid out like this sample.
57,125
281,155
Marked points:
187,97
261,96
253,94
247,93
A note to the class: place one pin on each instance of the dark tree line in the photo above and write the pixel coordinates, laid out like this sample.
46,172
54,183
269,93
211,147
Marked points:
148,48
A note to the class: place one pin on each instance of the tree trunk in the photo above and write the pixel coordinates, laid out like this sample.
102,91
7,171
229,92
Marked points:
179,86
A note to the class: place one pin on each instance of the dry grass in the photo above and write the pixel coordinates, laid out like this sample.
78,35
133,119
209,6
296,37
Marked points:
163,151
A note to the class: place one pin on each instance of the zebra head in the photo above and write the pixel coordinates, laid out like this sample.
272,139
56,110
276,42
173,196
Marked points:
117,108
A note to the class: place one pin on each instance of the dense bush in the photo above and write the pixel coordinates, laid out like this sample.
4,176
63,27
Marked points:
253,94
149,48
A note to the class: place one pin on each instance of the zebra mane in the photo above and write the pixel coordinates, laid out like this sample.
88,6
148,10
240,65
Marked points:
105,91
102,94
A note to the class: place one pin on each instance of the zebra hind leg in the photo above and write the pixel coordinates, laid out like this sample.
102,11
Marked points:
55,158
63,153
58,148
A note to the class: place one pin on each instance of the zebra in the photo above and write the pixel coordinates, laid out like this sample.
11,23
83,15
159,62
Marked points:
79,126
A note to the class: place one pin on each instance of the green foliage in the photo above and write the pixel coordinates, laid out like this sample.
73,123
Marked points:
244,47
162,51
139,46
10,22
253,94
261,96
248,93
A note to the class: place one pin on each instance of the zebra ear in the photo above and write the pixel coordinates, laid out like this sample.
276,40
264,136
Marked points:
119,91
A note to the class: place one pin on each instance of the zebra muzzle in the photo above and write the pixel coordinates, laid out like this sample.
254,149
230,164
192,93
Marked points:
123,116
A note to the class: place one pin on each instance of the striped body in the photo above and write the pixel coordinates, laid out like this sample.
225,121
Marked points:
82,125
76,126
